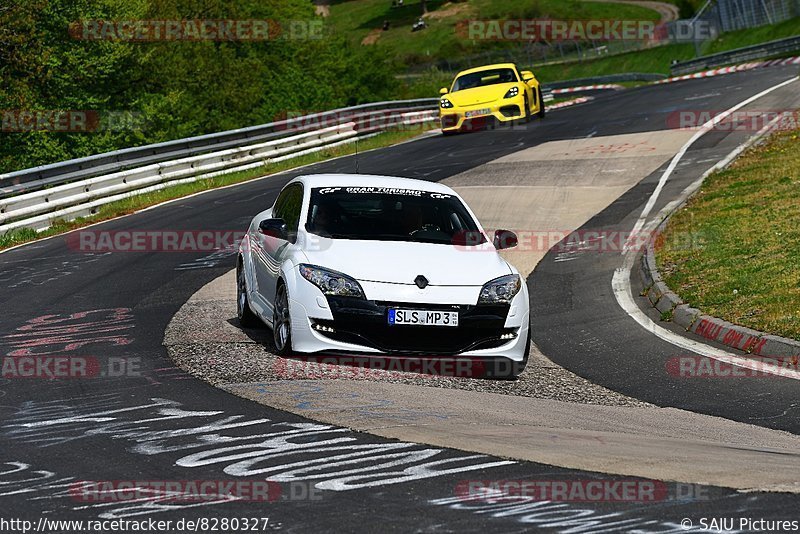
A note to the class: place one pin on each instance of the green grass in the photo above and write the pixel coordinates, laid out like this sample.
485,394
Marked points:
138,202
653,60
753,36
440,40
658,59
745,269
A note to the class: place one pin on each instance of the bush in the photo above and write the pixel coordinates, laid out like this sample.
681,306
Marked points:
168,90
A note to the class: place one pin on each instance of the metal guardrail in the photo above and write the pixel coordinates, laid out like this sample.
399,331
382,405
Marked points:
34,198
748,53
96,165
51,175
611,78
77,188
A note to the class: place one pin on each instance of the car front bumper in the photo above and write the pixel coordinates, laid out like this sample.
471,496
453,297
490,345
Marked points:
361,327
505,110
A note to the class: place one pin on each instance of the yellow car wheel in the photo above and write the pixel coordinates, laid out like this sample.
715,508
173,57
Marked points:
527,106
541,111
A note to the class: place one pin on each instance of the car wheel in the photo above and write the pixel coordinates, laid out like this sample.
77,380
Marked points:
505,369
541,111
282,322
527,109
247,318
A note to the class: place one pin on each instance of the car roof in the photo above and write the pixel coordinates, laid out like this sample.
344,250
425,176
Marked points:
488,67
368,180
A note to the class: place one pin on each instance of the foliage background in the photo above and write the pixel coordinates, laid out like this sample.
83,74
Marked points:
170,89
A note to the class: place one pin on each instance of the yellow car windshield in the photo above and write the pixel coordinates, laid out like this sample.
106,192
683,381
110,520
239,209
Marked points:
483,78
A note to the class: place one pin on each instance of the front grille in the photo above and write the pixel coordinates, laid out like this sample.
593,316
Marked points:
449,121
365,323
510,111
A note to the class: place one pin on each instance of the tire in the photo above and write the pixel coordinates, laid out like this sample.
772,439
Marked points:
541,112
527,110
247,319
282,322
505,369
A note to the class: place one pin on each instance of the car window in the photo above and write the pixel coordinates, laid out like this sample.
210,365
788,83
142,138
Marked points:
288,206
484,78
385,214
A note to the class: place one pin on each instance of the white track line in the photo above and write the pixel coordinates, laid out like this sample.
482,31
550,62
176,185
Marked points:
621,286
704,129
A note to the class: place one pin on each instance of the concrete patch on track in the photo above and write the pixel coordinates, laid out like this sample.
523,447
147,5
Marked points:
604,432
204,338
558,186
646,442
549,416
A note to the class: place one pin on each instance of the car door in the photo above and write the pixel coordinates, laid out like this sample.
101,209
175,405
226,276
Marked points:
271,250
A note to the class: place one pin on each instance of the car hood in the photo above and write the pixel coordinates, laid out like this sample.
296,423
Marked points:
399,262
480,95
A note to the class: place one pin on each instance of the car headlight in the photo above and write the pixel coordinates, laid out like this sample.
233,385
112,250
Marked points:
500,290
331,282
445,104
511,93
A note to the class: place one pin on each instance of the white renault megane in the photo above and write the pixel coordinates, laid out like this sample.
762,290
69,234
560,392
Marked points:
376,265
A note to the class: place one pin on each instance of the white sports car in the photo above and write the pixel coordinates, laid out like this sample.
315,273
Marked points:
375,265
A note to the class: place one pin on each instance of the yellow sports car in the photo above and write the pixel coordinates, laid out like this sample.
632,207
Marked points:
483,94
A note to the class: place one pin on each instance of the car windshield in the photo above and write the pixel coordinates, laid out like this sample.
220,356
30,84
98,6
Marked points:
483,78
388,214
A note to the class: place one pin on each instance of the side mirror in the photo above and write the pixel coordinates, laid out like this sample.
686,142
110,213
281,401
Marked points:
504,239
443,91
527,76
274,228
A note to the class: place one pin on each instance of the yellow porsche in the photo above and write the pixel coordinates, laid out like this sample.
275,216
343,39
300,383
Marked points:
493,92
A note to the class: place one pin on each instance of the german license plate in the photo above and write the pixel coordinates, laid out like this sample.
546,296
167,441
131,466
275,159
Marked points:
477,113
423,318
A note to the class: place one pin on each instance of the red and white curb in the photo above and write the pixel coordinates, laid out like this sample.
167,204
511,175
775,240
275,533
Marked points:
734,68
705,74
583,88
693,320
569,103
749,341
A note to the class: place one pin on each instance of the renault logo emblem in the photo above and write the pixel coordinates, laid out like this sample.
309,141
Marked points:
421,282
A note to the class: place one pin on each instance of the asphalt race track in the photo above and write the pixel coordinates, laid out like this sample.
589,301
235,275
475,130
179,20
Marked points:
166,425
